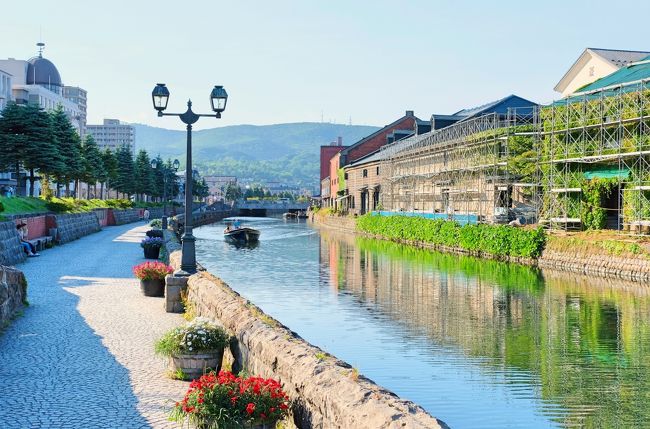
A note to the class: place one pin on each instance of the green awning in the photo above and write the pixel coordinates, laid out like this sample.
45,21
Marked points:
608,173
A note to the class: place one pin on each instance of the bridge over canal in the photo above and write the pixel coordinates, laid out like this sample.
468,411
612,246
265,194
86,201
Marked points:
267,208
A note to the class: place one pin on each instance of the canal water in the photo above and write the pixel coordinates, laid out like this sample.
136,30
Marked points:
479,344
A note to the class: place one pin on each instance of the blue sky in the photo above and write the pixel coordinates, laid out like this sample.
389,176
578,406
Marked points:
293,61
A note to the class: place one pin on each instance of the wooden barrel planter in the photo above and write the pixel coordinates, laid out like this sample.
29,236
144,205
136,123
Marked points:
155,287
195,365
152,252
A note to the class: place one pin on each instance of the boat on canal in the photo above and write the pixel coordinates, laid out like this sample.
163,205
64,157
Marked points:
241,234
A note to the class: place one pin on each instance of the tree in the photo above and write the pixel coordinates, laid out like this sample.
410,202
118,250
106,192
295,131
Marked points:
42,153
69,145
109,161
93,164
125,171
173,181
233,192
159,174
28,140
200,189
143,182
13,138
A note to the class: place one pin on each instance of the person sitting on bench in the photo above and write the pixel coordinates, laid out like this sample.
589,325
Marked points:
27,246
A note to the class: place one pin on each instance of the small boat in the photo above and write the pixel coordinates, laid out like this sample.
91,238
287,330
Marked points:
290,215
241,235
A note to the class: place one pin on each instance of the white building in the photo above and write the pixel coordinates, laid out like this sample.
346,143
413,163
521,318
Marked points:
112,134
593,64
5,89
38,81
217,186
5,97
78,96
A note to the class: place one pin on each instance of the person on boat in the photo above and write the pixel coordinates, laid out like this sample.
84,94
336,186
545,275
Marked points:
237,224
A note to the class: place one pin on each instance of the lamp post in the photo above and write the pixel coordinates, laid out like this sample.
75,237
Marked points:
165,172
218,99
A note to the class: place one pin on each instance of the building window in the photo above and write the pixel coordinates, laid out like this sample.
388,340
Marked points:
345,176
364,173
377,170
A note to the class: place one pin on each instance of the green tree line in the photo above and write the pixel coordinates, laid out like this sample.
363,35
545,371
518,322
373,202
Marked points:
48,147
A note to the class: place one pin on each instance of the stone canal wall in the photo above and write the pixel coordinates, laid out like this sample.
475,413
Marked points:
13,293
327,392
341,223
126,216
603,265
599,263
11,251
199,219
75,225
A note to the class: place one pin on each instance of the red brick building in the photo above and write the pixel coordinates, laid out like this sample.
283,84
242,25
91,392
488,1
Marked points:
369,144
340,196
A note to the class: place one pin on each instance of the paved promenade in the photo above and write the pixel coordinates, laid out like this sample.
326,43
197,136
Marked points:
81,356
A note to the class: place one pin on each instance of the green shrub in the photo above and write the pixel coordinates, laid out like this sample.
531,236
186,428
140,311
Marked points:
499,240
2,207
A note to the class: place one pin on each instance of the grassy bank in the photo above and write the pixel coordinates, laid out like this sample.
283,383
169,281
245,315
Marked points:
606,243
498,240
29,205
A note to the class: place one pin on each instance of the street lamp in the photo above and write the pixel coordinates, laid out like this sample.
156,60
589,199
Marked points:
218,99
166,173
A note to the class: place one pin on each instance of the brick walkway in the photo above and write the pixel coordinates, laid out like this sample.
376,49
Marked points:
81,356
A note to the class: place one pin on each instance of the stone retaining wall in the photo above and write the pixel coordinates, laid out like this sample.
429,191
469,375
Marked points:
11,251
604,265
200,219
327,392
75,225
342,223
156,212
610,266
126,216
13,293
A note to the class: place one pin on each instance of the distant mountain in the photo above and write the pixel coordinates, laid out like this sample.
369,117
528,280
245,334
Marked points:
283,152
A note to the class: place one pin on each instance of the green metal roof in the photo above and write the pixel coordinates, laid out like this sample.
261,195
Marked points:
630,73
625,79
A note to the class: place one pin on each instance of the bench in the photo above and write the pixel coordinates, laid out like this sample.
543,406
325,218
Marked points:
39,242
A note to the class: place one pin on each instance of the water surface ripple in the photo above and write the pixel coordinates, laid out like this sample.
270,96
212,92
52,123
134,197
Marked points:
479,344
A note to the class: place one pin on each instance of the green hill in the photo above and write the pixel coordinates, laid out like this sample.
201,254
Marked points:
282,152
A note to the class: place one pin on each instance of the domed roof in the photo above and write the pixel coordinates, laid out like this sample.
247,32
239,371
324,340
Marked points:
41,71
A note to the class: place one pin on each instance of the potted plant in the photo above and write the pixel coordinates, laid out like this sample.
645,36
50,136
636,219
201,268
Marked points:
151,246
225,401
193,348
155,233
152,277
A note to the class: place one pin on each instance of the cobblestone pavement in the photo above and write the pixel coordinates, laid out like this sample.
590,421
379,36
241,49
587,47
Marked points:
81,356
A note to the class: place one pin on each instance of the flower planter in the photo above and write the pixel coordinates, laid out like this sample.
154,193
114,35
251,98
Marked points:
195,365
152,252
207,424
154,287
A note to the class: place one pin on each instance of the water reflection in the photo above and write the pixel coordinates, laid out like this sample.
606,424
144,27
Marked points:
580,344
479,344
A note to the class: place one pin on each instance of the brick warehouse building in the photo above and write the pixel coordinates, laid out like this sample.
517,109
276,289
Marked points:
340,196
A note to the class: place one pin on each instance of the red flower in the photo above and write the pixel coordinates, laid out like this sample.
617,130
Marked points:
250,408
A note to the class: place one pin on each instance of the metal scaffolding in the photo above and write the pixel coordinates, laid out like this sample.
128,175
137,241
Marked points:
600,134
463,170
